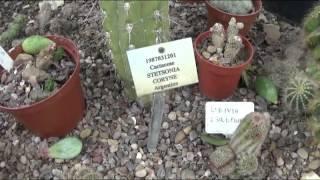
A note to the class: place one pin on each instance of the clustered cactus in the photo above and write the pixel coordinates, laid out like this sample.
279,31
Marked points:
13,30
239,157
234,6
226,45
130,25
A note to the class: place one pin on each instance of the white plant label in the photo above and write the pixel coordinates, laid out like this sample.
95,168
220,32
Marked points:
225,117
5,60
163,66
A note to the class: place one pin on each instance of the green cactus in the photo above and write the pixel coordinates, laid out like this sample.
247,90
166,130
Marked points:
34,44
222,160
130,25
312,20
298,92
246,164
235,7
239,157
13,30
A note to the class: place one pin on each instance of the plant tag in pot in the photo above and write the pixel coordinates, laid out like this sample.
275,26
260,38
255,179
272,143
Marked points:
163,66
5,60
224,117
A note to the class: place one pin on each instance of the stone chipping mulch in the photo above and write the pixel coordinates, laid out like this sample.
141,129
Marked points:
114,130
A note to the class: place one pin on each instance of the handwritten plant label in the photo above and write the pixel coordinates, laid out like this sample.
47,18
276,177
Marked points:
5,60
224,117
163,66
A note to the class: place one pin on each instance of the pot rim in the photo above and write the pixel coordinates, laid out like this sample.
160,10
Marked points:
257,8
72,76
249,48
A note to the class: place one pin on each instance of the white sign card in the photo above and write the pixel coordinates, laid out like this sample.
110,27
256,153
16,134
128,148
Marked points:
5,60
163,66
224,117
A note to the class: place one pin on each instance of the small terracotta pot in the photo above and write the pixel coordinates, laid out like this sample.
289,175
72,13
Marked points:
218,82
217,15
59,113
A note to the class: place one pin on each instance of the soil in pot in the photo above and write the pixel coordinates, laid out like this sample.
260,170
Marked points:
29,81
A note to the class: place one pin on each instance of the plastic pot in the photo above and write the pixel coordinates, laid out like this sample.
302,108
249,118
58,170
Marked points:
216,15
218,82
59,113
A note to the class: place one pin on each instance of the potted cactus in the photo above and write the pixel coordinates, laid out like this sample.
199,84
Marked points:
221,56
244,11
240,156
42,90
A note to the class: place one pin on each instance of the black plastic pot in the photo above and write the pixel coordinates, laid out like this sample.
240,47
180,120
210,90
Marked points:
292,10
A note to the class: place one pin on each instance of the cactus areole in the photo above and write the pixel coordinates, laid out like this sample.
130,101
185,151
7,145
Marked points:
130,25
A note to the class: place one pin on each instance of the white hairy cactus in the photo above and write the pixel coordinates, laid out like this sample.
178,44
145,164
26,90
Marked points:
232,48
234,28
218,35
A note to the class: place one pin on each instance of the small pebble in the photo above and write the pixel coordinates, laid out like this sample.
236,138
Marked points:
85,133
172,116
315,164
23,159
165,125
141,173
302,152
280,161
206,54
134,146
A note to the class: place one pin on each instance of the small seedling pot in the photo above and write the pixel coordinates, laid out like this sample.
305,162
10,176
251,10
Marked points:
218,82
216,15
59,113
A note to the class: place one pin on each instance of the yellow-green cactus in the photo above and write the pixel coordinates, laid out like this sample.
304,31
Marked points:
133,24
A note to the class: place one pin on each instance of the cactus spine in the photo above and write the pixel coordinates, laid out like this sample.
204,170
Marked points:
297,94
234,7
130,25
239,157
311,26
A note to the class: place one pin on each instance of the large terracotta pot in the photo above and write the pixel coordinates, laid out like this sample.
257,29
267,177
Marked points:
217,15
59,113
218,82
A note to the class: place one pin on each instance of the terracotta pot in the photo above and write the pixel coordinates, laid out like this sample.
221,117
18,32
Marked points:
216,15
217,82
59,113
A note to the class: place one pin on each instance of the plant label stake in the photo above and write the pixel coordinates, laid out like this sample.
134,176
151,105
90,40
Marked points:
225,117
158,68
5,60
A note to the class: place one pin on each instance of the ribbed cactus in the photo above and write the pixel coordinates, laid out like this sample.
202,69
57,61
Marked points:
234,6
226,44
311,27
239,157
298,92
133,24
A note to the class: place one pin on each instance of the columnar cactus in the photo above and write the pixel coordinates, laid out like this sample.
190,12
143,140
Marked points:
226,44
235,7
239,157
133,24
